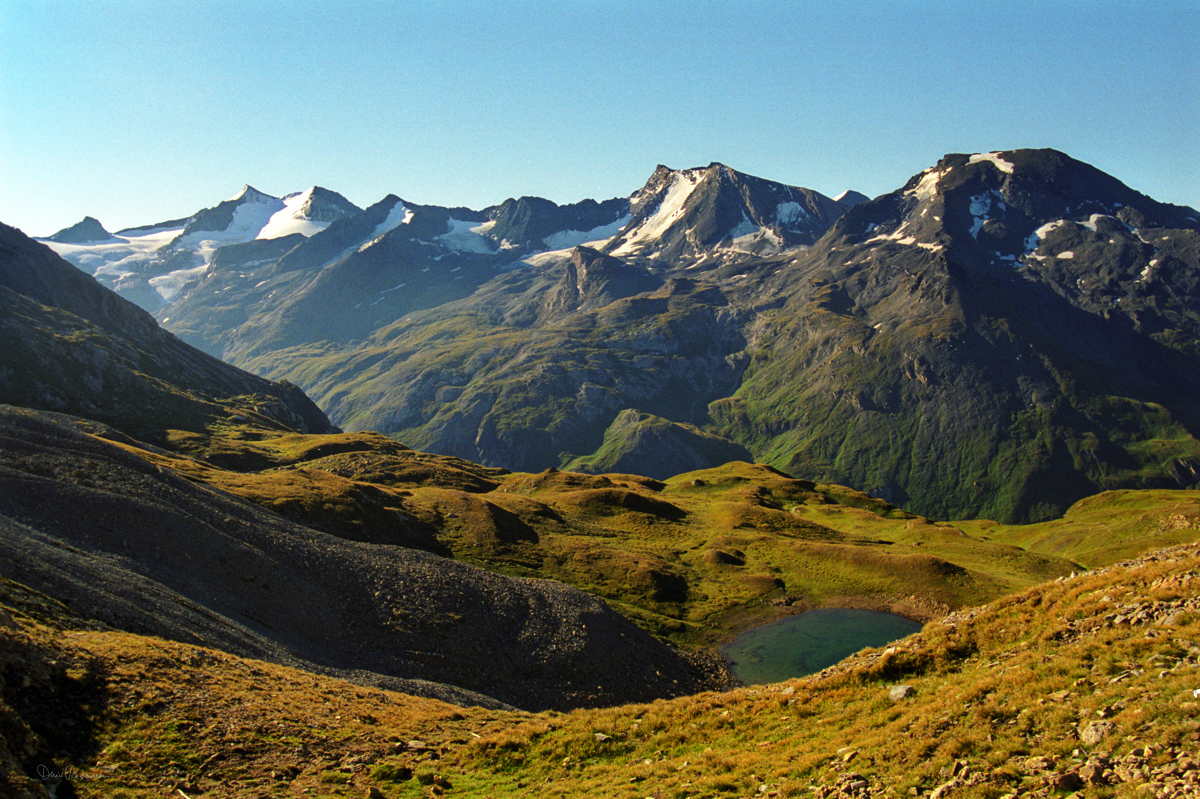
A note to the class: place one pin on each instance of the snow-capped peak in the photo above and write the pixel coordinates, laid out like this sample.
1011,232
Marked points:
672,191
850,198
399,214
249,194
290,219
307,212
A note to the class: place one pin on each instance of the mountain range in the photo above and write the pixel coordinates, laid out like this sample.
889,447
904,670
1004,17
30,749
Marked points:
1006,333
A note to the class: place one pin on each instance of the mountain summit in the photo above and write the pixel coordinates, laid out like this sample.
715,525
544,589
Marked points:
691,213
307,212
87,231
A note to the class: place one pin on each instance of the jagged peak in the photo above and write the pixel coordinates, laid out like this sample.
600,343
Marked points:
321,204
249,194
86,231
300,195
850,197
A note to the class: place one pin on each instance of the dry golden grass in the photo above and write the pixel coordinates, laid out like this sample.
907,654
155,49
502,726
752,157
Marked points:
996,689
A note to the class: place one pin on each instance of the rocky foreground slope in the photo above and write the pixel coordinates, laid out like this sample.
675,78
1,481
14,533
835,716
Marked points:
144,550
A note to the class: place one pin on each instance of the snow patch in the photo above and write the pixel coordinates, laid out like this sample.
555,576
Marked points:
152,230
399,215
994,158
1034,240
290,219
542,259
910,241
669,210
1066,255
750,239
465,236
926,188
790,213
566,239
981,207
169,285
743,229
249,219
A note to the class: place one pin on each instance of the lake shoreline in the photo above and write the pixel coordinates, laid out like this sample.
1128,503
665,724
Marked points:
806,643
742,619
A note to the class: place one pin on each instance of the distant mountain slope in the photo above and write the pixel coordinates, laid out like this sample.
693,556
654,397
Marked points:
460,379
68,344
146,551
1007,333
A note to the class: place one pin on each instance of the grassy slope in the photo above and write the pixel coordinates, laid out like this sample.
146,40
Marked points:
1104,528
695,558
1004,695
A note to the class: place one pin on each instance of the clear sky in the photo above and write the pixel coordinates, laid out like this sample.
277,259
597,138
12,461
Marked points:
139,111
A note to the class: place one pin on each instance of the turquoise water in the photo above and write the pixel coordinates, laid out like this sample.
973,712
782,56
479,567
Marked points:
807,643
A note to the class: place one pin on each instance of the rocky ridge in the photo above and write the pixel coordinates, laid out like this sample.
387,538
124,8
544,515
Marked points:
71,345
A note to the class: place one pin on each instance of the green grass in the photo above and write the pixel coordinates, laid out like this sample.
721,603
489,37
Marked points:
659,551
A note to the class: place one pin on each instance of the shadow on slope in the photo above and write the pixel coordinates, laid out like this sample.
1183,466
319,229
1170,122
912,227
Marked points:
147,551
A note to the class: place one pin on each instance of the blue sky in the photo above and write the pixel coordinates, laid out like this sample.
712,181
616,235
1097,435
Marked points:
135,112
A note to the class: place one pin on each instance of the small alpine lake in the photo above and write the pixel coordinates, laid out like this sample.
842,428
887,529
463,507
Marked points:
809,642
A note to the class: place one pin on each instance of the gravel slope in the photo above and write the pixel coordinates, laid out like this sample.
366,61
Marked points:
121,541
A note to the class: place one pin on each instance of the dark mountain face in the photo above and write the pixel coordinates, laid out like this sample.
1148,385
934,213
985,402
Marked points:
147,551
531,223
68,344
994,339
592,280
323,205
87,231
